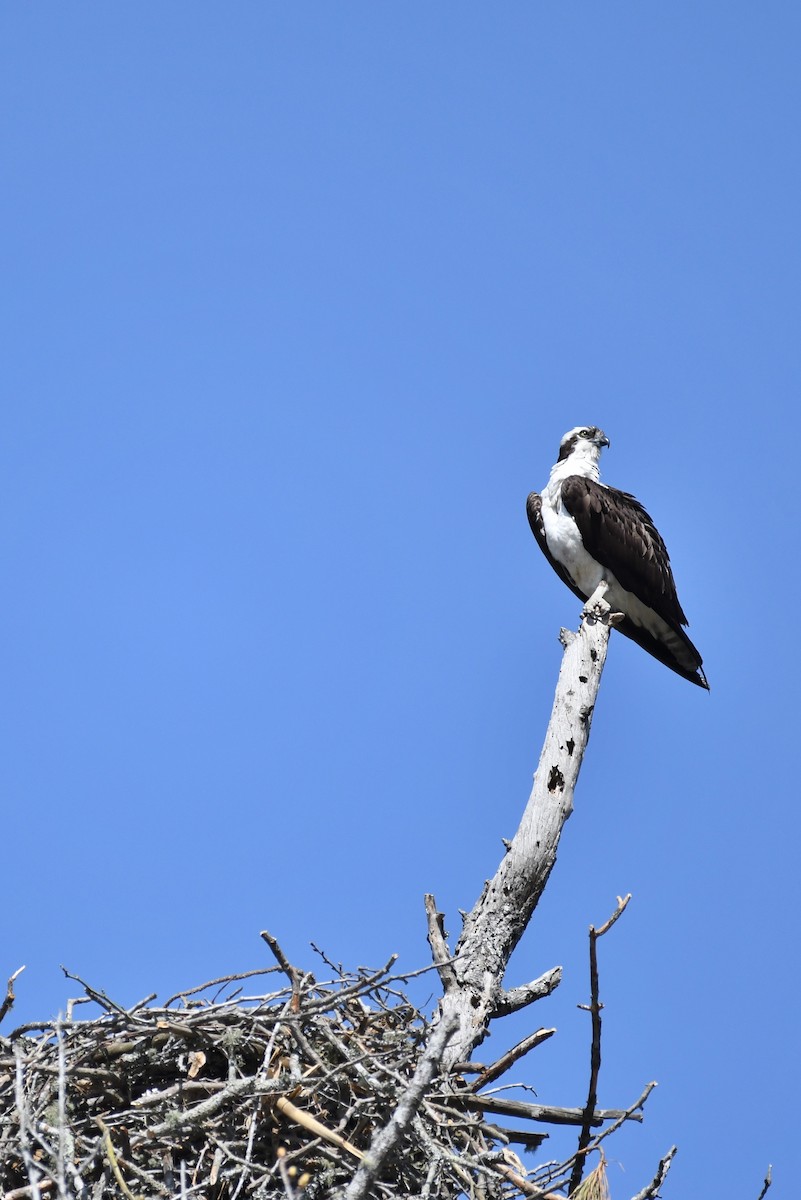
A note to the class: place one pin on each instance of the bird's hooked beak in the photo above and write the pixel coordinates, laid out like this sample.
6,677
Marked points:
601,439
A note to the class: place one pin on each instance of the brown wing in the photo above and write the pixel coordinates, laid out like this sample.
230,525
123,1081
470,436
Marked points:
620,535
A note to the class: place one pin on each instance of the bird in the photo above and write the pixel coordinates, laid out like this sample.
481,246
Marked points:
592,534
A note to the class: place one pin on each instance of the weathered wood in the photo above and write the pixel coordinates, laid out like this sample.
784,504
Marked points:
496,923
548,1113
652,1190
594,1009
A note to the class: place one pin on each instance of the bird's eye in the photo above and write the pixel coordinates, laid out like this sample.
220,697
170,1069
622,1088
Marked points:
585,433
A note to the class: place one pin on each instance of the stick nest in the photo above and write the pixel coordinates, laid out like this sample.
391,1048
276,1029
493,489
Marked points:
224,1094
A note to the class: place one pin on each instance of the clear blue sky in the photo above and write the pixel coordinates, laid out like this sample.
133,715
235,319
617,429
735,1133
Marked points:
297,303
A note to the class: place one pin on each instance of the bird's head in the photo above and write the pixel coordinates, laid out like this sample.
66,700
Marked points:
585,441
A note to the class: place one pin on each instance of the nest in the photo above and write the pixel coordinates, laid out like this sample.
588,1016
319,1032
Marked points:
224,1094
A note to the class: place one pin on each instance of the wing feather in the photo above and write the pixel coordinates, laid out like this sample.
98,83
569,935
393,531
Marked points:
619,533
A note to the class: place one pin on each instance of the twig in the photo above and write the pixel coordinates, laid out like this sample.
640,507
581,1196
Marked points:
522,1185
62,1114
356,989
112,1158
143,1003
293,974
523,1137
201,1112
622,905
314,1126
491,1073
436,1151
513,999
45,1026
31,1169
405,976
22,1193
100,998
436,940
355,1063
288,1189
652,1190
595,1048
266,1060
282,960
201,987
547,1113
225,1151
631,1113
431,1174
767,1183
8,1002
186,1087
144,1176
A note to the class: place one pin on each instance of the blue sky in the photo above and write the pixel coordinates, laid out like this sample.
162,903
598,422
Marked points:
298,301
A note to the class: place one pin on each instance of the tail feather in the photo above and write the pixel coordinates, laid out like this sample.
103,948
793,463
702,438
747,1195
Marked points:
663,652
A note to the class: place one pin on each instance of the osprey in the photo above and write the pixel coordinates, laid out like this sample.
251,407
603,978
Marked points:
592,533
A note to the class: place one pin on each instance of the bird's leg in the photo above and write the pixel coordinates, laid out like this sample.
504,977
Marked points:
598,608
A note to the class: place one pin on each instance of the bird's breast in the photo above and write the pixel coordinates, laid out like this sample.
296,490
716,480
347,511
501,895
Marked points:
565,544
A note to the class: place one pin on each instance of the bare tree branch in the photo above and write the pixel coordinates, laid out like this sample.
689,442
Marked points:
766,1184
595,1007
652,1190
34,1174
513,999
493,1072
497,921
556,1170
549,1113
8,1002
439,948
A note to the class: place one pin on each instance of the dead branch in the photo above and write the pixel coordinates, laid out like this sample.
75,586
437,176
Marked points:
559,1171
633,1113
210,983
178,1120
507,1060
314,1126
595,1007
652,1190
8,1002
436,940
512,1000
548,1113
496,923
